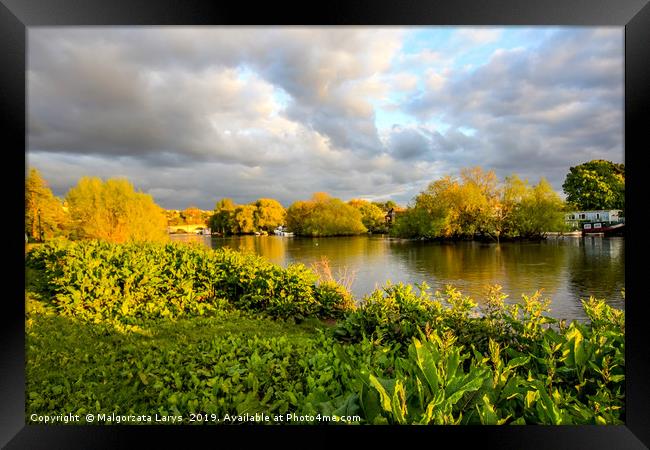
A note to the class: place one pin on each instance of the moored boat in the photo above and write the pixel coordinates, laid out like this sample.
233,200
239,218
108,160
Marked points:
282,231
607,229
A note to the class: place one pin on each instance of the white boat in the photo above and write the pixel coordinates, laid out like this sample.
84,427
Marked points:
282,231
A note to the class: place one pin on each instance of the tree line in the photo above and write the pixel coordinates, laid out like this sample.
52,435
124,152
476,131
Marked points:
189,216
475,204
322,215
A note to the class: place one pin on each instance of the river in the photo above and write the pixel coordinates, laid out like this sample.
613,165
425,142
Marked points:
567,268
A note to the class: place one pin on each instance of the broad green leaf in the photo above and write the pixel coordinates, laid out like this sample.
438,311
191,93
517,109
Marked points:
486,412
383,395
516,362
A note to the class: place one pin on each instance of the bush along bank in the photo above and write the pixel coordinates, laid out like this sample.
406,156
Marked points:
400,356
96,280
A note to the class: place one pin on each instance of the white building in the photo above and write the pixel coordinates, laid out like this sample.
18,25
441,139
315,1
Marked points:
601,215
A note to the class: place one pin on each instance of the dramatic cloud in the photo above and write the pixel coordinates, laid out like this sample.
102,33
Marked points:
540,111
191,115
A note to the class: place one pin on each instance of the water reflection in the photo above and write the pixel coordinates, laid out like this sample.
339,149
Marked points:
598,269
566,269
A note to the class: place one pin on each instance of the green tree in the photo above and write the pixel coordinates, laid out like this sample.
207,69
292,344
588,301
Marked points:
386,206
244,219
372,217
44,214
115,212
540,210
418,222
514,191
269,214
596,184
222,221
462,207
324,216
476,204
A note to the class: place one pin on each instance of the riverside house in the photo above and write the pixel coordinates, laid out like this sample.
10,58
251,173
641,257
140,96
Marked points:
601,215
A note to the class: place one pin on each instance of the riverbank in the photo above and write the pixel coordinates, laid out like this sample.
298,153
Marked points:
562,267
145,342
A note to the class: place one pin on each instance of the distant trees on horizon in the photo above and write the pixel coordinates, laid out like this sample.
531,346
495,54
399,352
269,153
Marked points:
474,204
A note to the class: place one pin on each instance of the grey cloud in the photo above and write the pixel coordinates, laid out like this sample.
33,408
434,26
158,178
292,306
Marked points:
122,91
537,111
195,114
409,144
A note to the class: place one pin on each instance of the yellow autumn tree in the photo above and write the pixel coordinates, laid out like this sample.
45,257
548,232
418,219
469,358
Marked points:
269,214
372,217
113,211
44,214
324,216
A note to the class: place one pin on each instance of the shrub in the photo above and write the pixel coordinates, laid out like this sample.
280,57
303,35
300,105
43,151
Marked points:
393,313
333,300
97,280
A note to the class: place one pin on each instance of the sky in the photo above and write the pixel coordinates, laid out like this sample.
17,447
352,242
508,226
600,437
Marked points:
191,115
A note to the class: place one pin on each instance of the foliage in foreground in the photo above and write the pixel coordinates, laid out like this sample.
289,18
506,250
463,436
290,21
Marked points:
96,281
227,363
401,356
539,369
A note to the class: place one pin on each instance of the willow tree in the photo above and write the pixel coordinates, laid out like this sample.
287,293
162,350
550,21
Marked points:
113,211
538,211
244,219
269,214
44,214
372,217
323,215
458,207
477,204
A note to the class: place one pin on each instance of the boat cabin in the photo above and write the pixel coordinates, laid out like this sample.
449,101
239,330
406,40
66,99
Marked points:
601,215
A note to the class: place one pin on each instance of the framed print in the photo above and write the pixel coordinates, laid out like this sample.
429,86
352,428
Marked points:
346,221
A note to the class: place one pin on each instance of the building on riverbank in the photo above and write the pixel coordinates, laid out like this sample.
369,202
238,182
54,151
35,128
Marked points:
605,222
601,215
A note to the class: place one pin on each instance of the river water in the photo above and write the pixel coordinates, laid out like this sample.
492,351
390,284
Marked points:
566,268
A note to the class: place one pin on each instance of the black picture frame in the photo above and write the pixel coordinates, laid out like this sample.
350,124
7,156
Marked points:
17,15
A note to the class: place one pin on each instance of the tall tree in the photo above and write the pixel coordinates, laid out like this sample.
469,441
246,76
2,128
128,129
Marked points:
477,204
244,218
596,184
115,212
372,217
269,214
539,210
44,213
222,221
